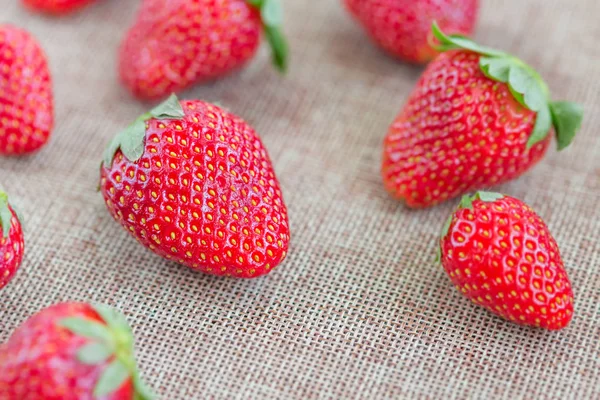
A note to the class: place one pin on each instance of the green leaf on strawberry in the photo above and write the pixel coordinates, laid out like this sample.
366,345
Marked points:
5,215
169,109
466,201
94,353
526,86
453,42
114,319
566,118
112,378
113,341
131,140
541,128
445,229
87,328
279,46
486,197
271,14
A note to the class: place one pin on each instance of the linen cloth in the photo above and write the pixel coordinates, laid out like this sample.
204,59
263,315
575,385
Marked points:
359,309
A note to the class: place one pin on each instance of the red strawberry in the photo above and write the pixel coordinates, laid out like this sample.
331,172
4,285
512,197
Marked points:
194,183
55,6
402,27
26,102
478,117
11,241
71,351
500,254
177,43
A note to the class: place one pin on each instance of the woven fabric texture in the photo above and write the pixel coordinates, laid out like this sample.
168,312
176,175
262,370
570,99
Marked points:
359,309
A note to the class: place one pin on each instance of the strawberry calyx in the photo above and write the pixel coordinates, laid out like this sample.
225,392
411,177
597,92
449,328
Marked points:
131,140
466,202
525,84
271,15
487,197
111,341
5,215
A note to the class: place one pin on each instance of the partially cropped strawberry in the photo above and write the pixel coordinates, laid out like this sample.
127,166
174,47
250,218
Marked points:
501,255
11,241
478,117
194,183
26,101
55,6
71,351
403,27
174,44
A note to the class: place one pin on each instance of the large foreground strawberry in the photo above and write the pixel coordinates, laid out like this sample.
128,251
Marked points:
193,183
403,27
500,254
71,351
477,117
26,100
56,6
176,43
11,241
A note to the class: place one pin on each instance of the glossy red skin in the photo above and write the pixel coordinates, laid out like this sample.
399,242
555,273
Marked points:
403,27
39,360
26,100
174,44
56,6
502,256
205,195
11,250
458,132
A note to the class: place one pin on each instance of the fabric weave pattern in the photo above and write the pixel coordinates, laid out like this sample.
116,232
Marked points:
359,309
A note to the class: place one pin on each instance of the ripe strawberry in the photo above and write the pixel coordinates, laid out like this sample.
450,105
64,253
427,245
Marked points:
26,102
478,117
402,27
71,351
175,44
11,241
500,254
194,183
55,6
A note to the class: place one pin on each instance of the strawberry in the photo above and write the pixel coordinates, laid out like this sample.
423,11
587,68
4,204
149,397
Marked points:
71,351
11,241
175,43
55,6
194,183
500,254
478,117
26,101
402,27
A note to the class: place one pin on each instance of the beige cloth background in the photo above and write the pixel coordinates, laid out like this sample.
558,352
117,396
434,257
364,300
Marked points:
358,310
